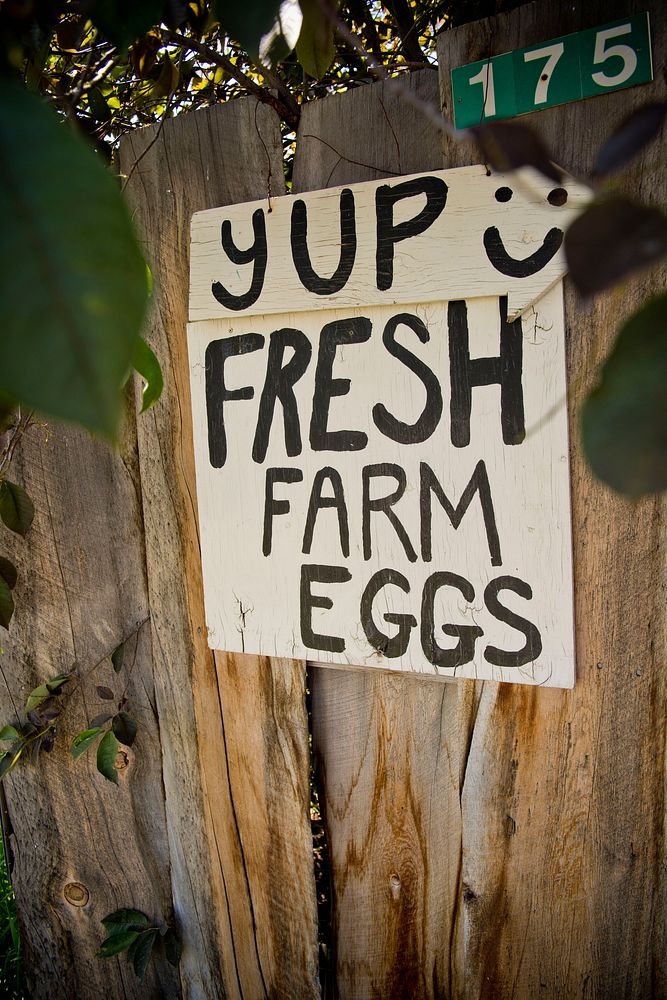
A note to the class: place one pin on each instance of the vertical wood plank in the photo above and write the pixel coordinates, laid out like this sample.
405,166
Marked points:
234,728
82,847
387,747
563,797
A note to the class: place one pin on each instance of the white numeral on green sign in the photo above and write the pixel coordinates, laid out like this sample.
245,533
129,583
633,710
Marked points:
584,64
552,54
601,54
485,77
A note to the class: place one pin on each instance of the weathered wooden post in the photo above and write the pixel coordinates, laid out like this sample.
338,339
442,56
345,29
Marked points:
233,728
481,827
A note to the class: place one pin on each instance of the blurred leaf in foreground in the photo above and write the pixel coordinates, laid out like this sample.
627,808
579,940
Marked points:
72,280
630,137
624,419
610,239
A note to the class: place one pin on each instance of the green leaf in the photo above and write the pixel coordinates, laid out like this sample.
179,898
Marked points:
43,691
56,683
47,711
72,282
123,21
624,420
142,951
148,366
172,947
628,139
124,728
117,657
283,36
315,48
610,239
168,80
6,604
116,943
36,697
9,733
100,720
7,407
16,507
99,108
83,740
107,752
125,920
8,572
510,145
9,758
248,22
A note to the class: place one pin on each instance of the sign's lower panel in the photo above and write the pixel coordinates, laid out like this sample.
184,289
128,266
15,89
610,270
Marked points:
388,488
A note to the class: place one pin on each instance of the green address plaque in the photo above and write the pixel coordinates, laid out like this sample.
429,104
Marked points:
565,69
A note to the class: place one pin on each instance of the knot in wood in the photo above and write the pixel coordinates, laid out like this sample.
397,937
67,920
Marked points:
76,894
122,760
468,894
395,885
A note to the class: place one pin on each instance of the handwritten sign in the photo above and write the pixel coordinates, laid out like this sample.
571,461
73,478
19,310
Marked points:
378,393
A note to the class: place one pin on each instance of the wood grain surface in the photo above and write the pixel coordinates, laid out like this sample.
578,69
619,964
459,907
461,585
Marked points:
563,802
82,847
545,855
233,728
387,749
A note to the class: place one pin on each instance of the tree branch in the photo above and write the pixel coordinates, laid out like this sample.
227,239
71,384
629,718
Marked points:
290,113
402,14
430,111
360,12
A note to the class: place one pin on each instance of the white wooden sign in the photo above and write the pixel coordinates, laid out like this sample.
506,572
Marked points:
378,392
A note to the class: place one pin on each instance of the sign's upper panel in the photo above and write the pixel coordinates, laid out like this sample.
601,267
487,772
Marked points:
448,234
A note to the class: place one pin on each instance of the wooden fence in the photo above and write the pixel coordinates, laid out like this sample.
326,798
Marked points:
485,840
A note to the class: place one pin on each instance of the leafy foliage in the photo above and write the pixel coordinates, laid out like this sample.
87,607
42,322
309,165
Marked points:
315,47
131,931
125,920
8,572
123,21
107,752
248,22
6,603
612,238
73,282
630,137
117,657
173,947
42,709
83,741
117,942
510,145
625,418
148,366
11,964
16,507
123,730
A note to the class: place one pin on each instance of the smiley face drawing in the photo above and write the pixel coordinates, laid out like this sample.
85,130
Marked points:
526,266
